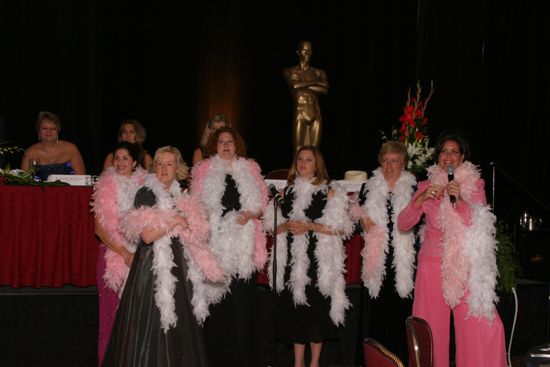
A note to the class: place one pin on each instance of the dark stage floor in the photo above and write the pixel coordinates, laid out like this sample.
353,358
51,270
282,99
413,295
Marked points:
55,327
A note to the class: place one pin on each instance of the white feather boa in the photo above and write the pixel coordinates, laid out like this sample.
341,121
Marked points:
376,239
113,196
329,252
468,250
167,204
240,250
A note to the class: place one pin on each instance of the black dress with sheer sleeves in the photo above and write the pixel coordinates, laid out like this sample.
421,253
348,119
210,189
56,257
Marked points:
230,330
303,324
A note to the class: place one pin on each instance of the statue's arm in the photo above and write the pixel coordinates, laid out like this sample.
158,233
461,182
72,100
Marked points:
319,85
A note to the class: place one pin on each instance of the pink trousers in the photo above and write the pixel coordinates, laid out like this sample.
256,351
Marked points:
478,342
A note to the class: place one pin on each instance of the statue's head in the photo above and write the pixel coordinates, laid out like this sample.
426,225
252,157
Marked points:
304,50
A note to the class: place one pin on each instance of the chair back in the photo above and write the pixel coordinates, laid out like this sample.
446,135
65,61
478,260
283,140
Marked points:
419,342
376,355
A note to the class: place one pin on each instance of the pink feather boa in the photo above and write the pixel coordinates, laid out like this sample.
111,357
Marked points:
106,202
194,237
373,267
455,265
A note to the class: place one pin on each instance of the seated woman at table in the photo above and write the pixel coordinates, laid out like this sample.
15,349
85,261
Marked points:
132,131
52,156
155,324
310,256
114,193
388,254
213,124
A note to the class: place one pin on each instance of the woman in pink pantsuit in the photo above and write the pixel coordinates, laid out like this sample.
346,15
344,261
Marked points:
457,268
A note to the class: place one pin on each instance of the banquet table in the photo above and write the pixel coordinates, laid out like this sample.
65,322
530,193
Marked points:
47,236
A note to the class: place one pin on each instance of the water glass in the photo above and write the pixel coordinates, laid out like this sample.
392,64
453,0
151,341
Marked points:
34,165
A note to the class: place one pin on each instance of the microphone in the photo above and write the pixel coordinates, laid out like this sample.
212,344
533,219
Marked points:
274,194
450,177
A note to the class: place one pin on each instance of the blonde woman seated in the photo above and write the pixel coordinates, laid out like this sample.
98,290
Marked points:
131,131
212,125
52,155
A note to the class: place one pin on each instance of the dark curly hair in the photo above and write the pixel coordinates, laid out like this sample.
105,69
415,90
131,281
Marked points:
135,151
212,144
456,136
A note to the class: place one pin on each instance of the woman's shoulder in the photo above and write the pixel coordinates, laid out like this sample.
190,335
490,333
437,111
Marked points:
68,146
35,148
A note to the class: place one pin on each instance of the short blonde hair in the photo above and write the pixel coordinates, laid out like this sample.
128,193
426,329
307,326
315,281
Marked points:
208,127
394,147
47,116
182,170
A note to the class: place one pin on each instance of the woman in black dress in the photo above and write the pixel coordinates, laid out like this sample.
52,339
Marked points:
234,194
310,257
155,324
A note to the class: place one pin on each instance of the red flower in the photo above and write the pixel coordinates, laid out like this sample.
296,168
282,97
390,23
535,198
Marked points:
419,135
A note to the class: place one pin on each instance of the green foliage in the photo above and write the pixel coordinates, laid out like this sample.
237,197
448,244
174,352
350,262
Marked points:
25,178
7,147
507,262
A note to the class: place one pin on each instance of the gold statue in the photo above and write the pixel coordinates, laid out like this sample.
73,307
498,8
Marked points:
306,83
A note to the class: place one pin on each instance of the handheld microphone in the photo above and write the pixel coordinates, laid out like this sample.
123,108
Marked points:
450,177
274,194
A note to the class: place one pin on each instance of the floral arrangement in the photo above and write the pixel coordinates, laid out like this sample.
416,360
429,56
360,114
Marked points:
413,131
24,178
6,148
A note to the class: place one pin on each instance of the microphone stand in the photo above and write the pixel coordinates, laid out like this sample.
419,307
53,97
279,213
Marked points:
494,174
274,277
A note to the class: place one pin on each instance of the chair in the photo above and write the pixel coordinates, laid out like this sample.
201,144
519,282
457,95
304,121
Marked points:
376,355
419,342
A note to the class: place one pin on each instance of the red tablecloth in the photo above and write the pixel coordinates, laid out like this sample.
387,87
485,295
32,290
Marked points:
46,236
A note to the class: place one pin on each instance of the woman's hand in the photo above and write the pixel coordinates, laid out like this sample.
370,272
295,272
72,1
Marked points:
453,189
179,220
432,192
298,228
367,223
128,257
244,217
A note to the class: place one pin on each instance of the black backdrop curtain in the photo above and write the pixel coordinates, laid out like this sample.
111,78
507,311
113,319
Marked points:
170,65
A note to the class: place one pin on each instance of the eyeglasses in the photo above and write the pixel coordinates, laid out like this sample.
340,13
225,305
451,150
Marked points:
389,161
